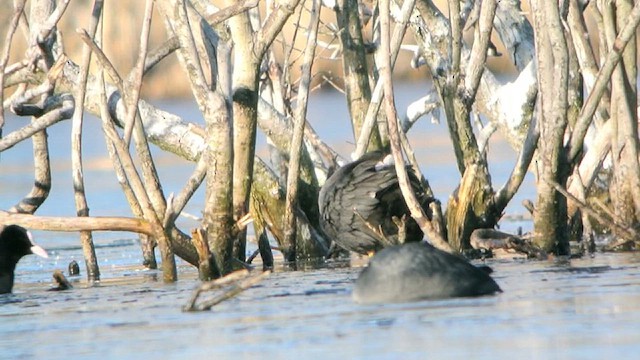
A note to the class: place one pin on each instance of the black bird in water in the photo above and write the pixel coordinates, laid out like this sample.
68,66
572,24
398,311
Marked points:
362,207
15,242
418,271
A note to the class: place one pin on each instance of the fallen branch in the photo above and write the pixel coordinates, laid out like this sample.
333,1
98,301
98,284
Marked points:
68,224
238,282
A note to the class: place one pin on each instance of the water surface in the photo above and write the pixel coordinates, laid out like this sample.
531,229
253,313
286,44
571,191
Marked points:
579,309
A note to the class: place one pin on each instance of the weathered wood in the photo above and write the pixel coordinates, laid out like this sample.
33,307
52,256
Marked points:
289,218
355,68
625,189
267,207
591,104
236,283
250,46
394,136
369,122
207,267
491,239
471,206
82,207
218,154
73,224
550,221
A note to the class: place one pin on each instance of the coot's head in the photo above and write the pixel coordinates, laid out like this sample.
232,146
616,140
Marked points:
15,242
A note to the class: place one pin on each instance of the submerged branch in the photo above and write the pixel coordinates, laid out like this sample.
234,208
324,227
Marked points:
238,282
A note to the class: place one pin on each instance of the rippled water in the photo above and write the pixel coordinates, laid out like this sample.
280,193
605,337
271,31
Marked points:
578,309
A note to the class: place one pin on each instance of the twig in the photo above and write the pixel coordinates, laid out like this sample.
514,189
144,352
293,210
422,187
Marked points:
627,232
375,230
425,105
19,102
502,197
150,196
172,44
376,96
272,25
136,75
241,224
175,207
207,267
147,243
169,268
52,20
478,56
239,281
103,60
213,285
13,25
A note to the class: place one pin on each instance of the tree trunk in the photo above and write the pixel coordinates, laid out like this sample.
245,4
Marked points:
550,220
470,207
218,219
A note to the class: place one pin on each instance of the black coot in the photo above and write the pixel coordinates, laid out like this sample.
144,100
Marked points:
418,271
359,202
15,242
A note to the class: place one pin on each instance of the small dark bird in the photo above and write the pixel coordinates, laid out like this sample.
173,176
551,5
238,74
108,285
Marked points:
15,242
74,268
362,207
418,271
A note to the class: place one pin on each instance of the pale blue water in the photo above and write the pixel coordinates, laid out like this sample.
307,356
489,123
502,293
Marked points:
582,309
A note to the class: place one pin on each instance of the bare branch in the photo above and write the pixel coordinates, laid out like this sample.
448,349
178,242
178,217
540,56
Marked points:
64,107
478,56
456,35
136,74
273,25
394,137
591,104
73,224
376,97
49,25
6,51
298,132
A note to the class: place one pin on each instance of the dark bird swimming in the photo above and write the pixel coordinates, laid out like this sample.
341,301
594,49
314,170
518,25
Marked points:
15,242
419,271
